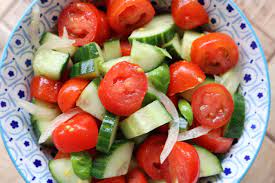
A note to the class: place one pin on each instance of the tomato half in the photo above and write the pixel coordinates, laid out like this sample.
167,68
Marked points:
136,176
148,156
45,89
188,14
125,16
77,134
215,53
125,47
120,179
82,21
61,155
183,76
214,142
123,89
70,92
104,32
212,105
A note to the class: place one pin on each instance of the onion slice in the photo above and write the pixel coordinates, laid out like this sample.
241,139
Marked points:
53,45
34,26
194,133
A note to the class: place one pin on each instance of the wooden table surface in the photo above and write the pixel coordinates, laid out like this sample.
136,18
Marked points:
260,13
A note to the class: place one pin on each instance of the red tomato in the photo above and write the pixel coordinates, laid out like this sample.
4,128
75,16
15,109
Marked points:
163,128
125,48
214,142
174,99
148,156
61,155
120,179
188,14
82,21
215,53
45,89
123,89
183,164
104,32
183,76
77,134
212,105
136,176
125,16
70,92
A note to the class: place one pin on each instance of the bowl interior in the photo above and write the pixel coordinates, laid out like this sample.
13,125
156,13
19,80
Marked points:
16,73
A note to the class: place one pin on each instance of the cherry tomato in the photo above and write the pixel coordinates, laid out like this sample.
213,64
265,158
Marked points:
123,89
188,14
148,156
136,176
45,89
70,92
212,105
125,16
104,32
82,21
174,99
61,155
120,179
125,48
215,53
163,129
214,142
77,134
183,76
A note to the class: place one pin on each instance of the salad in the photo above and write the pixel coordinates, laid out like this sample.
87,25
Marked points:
126,93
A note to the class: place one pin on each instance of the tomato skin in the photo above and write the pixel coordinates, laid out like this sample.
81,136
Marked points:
136,176
189,14
125,16
183,76
70,92
45,89
215,53
123,89
77,134
61,155
104,32
120,179
214,142
125,47
212,105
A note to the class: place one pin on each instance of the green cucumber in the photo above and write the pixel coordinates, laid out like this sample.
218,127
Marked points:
188,38
107,132
148,57
209,164
235,126
86,69
174,47
50,64
112,49
106,66
149,98
82,164
62,171
157,32
145,120
186,111
87,52
89,101
115,163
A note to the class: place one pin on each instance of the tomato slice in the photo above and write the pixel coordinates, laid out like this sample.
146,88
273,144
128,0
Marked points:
61,155
188,14
125,47
136,176
214,142
215,53
82,21
183,76
148,156
125,16
45,89
70,92
120,179
212,105
123,89
104,32
77,134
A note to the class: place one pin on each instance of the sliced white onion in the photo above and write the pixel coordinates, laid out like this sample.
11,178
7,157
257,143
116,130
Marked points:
65,33
34,26
53,44
58,121
194,133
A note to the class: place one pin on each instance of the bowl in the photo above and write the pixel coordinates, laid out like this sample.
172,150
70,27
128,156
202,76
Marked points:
31,160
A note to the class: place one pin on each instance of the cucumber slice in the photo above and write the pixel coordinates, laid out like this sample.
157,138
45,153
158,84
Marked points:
85,69
145,120
112,49
107,132
87,52
149,98
139,139
82,164
174,47
186,111
50,63
235,126
157,32
188,38
115,163
106,66
62,171
209,164
89,101
160,78
48,36
147,56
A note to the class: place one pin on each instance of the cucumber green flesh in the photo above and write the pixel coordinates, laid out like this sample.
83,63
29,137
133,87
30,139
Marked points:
106,66
174,47
82,164
160,78
145,120
50,63
107,132
235,126
186,110
87,52
115,163
85,69
112,50
62,171
149,98
209,164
